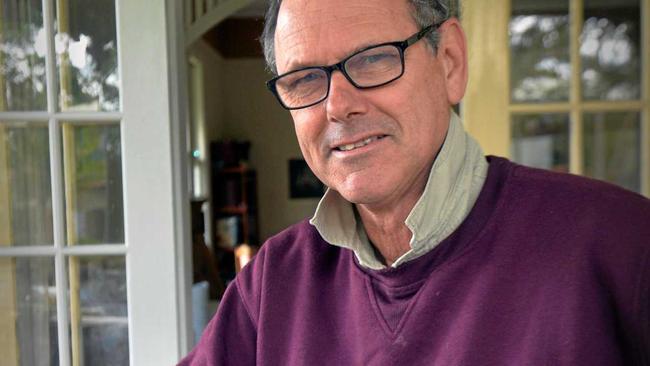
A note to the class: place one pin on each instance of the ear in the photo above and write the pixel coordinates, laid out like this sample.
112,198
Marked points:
452,52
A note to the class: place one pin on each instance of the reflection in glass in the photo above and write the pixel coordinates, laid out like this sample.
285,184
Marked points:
93,176
610,50
98,311
28,312
86,48
612,148
22,56
541,141
539,50
25,187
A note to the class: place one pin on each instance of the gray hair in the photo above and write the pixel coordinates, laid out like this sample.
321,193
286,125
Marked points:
425,13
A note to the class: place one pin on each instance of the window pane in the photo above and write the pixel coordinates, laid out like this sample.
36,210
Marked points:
25,187
610,50
86,48
541,141
612,148
93,178
22,56
98,311
28,325
539,48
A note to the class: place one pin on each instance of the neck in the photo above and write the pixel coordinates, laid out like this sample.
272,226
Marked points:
387,232
385,224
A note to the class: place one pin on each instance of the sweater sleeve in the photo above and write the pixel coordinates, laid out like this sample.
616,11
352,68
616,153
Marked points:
230,337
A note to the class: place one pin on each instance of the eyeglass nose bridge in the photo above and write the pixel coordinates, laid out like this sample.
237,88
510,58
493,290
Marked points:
338,67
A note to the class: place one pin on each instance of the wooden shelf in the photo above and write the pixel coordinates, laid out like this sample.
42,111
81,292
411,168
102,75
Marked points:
233,210
242,169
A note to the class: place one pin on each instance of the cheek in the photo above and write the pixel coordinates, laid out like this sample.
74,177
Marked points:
308,132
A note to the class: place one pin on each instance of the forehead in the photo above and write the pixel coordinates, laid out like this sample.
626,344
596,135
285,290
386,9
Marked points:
317,32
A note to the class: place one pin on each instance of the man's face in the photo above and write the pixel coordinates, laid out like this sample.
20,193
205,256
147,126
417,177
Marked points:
403,123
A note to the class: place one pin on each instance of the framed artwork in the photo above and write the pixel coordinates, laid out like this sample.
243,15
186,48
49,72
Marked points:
302,181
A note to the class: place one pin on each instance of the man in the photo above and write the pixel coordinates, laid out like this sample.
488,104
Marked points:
422,252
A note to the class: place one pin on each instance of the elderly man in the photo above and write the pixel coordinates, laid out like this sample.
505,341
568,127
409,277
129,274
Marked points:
422,251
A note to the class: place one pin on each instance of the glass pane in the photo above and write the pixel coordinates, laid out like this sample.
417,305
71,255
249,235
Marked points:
610,49
612,148
86,48
28,328
22,56
25,187
539,48
98,311
93,178
541,141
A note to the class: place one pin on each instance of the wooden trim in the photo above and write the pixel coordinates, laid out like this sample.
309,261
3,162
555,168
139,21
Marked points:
645,95
76,336
70,179
199,10
65,78
8,306
485,107
5,191
212,17
8,312
3,96
69,173
576,15
595,106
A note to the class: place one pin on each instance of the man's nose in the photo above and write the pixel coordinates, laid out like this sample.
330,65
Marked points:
344,101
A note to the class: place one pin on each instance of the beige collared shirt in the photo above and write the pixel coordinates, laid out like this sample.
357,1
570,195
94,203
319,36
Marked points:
454,183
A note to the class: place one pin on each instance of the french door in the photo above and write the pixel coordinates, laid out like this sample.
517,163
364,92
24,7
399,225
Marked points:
91,203
563,85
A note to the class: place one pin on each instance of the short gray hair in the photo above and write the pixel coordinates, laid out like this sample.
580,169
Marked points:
425,13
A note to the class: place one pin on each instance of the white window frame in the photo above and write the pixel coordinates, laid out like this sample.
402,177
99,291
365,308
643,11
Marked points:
156,201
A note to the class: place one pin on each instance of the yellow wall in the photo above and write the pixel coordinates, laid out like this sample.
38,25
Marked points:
252,113
238,106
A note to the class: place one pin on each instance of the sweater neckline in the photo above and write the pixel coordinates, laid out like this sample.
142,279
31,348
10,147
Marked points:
459,241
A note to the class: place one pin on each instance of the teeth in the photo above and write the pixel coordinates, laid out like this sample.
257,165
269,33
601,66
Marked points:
359,144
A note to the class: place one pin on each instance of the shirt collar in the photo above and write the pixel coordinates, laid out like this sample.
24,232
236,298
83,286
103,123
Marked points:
454,182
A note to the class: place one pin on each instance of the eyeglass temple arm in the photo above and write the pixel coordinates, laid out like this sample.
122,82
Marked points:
423,32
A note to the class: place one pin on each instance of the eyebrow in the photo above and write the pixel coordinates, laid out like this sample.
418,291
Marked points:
363,46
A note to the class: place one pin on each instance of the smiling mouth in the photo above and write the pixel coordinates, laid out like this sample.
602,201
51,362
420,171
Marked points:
362,143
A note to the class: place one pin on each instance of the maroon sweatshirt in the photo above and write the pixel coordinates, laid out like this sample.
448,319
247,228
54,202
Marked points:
548,269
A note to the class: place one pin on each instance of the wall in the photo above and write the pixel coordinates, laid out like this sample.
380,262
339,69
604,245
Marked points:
238,106
252,113
212,87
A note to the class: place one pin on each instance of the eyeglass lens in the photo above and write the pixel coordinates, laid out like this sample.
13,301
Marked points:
366,69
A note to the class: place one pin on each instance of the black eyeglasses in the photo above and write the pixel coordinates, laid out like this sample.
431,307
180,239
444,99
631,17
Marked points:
370,67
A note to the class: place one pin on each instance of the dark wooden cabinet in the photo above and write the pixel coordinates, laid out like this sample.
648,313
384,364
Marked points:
234,192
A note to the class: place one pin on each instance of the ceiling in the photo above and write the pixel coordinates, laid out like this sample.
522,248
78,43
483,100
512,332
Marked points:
255,10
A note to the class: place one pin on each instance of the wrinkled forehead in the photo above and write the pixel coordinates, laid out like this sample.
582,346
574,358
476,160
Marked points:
317,32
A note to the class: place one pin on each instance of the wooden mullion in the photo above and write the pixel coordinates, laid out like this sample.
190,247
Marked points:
529,108
576,144
645,95
8,304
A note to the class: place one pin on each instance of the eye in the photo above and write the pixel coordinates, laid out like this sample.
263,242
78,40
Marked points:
378,57
305,79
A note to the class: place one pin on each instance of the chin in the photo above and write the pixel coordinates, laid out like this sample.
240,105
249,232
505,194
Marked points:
362,194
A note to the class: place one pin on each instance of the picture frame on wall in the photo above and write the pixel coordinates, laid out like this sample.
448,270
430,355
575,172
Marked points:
302,181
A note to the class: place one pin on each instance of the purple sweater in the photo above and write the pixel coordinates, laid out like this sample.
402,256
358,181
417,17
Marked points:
548,269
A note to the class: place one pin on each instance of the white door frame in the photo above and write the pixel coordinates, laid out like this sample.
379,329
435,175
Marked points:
156,195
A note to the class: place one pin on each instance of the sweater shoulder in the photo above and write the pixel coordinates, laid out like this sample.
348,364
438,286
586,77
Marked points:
562,189
584,215
293,254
